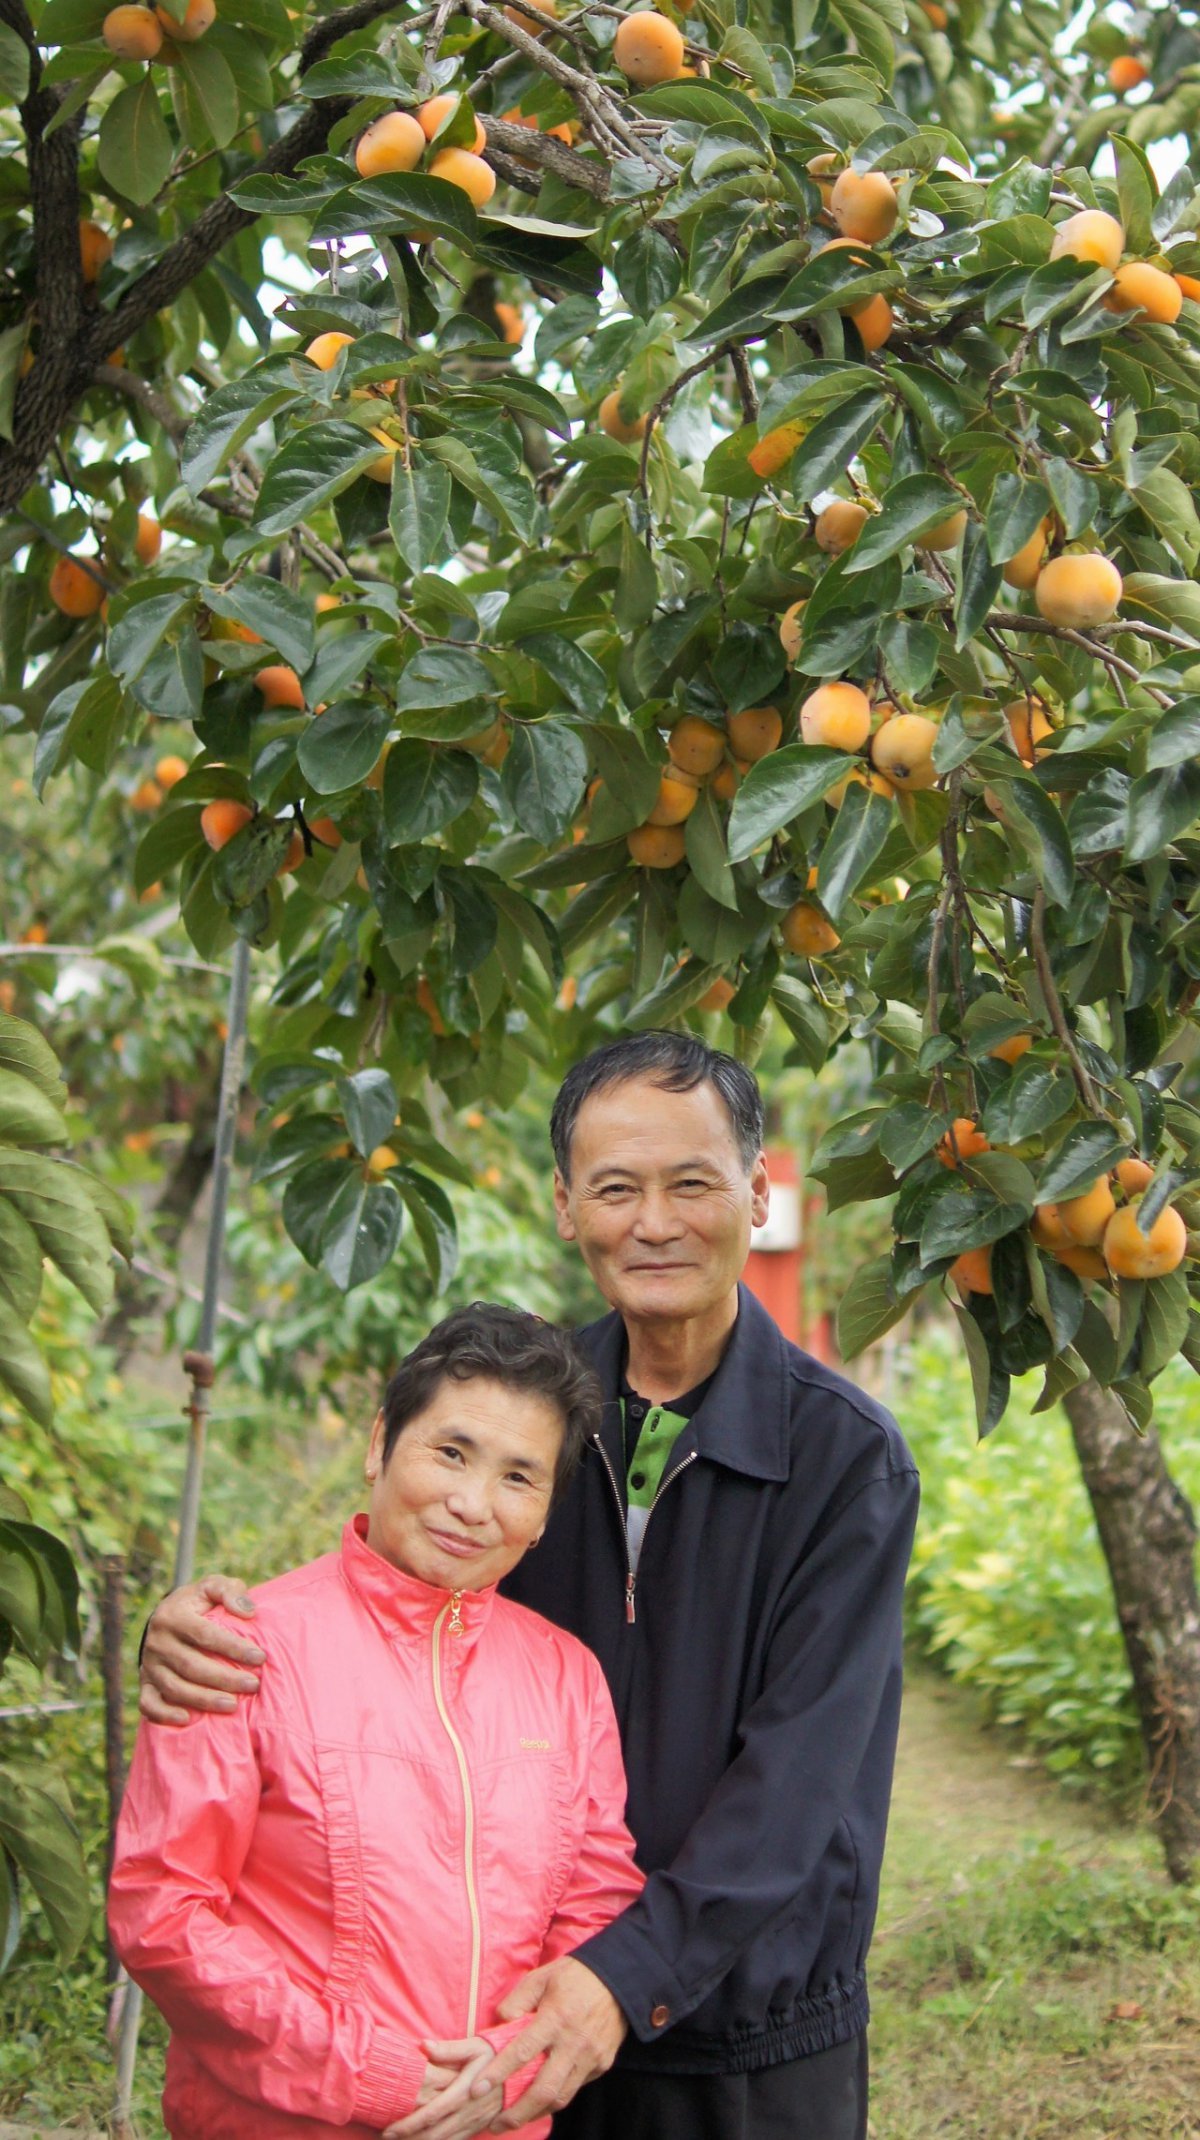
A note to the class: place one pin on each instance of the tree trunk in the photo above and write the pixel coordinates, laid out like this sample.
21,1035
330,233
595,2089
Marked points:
1148,1534
173,1208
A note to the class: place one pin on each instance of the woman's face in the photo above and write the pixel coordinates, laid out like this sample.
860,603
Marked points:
466,1489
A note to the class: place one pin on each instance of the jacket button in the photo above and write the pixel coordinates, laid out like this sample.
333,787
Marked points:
659,2017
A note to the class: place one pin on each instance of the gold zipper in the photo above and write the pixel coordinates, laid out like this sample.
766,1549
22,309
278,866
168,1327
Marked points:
630,1570
452,1611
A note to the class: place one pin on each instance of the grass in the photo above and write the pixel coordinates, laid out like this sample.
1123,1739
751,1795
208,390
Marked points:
1033,1973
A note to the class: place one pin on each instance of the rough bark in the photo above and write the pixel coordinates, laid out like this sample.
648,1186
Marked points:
1148,1533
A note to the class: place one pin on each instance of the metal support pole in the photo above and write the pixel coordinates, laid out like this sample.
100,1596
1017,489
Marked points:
199,1366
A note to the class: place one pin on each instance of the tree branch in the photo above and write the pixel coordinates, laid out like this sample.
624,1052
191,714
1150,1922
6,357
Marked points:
46,393
138,389
1053,1002
528,146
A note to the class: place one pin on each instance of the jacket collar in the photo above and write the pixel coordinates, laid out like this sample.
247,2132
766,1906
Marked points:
401,1604
743,1419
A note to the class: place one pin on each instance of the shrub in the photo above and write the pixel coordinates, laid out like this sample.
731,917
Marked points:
1009,1592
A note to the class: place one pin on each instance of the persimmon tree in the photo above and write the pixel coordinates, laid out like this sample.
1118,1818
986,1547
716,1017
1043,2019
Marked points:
669,516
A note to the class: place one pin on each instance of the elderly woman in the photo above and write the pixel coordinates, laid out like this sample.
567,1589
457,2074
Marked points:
423,1801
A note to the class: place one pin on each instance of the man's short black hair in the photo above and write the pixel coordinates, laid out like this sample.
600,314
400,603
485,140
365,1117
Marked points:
489,1343
676,1061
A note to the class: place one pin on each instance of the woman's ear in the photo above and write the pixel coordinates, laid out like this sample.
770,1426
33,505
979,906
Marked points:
374,1459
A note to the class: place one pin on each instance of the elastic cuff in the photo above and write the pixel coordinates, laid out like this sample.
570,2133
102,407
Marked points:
390,2080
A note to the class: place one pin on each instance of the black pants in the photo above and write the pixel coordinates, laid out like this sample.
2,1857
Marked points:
818,2098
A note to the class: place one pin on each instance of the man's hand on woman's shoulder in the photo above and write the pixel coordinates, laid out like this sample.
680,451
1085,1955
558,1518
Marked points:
190,1663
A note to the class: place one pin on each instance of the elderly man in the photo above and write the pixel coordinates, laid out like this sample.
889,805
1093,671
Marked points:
734,1550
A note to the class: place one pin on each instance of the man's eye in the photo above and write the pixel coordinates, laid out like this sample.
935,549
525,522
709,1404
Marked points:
448,1449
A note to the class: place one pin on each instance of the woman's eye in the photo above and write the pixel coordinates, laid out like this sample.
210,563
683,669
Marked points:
448,1449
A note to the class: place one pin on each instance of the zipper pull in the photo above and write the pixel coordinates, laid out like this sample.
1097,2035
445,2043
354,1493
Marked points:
630,1587
455,1626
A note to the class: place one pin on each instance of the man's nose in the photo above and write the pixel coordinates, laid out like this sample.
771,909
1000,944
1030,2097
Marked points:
656,1219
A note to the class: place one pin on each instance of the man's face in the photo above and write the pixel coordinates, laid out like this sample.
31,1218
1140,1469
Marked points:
659,1200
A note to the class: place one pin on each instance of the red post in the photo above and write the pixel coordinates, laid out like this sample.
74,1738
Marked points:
773,1267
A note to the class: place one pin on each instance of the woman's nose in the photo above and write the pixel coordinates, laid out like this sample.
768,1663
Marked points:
470,1500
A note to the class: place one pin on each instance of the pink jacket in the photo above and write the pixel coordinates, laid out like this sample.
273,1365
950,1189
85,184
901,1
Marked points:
424,1800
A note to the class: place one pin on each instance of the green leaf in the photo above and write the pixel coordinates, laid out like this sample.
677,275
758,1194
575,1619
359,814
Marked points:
141,628
432,1215
909,1132
1088,1150
282,617
577,674
54,1200
1030,1101
425,789
1038,824
340,746
38,1832
833,442
630,777
979,584
206,78
134,148
667,1001
859,831
805,1020
442,676
1076,497
1167,503
544,776
959,1219
22,1049
23,1372
867,1308
14,66
26,1115
1164,1323
229,416
357,74
1016,509
419,509
647,270
1162,806
20,1263
404,201
1175,737
368,1104
309,1198
911,508
707,854
777,789
317,463
1137,192
988,1380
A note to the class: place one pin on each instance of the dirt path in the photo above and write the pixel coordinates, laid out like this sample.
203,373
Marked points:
1034,1976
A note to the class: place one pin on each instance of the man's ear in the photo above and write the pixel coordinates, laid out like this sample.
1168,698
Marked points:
374,1460
760,1190
562,1215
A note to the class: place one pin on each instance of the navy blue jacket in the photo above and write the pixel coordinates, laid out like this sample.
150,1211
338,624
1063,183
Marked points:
755,1667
